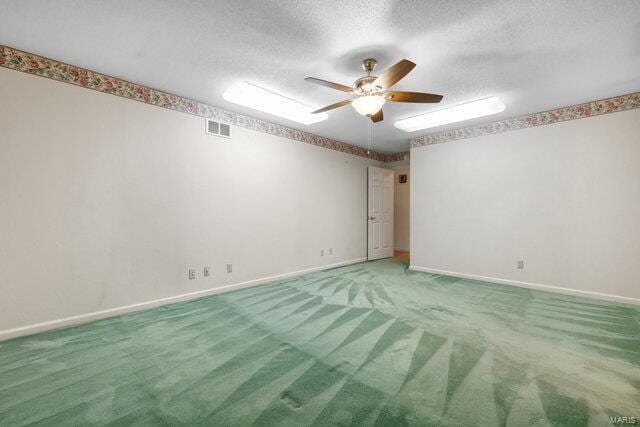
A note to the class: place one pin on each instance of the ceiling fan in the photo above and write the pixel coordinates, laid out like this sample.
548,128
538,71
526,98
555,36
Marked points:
374,91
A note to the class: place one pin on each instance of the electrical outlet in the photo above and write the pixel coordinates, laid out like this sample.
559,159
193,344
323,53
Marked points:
330,251
206,271
192,274
321,252
520,264
229,268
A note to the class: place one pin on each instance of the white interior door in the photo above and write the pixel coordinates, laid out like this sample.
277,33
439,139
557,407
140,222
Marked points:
380,213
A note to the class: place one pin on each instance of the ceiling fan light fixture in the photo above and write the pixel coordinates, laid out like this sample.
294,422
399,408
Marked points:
255,97
373,92
458,113
368,105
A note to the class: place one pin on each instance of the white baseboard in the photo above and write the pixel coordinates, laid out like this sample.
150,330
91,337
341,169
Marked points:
548,288
97,315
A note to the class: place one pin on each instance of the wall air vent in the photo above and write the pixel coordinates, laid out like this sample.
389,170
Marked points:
217,128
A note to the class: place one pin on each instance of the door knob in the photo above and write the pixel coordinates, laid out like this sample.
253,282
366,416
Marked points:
372,218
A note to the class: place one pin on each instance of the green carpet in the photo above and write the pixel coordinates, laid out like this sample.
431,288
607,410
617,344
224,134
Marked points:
367,344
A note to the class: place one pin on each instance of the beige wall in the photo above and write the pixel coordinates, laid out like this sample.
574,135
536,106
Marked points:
107,203
402,208
565,198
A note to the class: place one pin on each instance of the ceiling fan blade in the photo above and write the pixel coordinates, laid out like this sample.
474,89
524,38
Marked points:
398,96
332,106
377,117
329,84
394,74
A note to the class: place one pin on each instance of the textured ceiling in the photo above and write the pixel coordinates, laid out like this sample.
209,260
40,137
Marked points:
534,55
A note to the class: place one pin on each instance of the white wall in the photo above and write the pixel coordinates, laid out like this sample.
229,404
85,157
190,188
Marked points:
401,206
565,198
107,202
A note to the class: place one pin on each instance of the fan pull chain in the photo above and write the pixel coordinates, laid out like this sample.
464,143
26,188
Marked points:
369,144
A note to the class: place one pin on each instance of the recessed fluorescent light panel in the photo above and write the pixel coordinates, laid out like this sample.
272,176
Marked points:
458,113
252,96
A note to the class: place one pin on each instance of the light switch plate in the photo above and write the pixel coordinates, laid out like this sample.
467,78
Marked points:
192,274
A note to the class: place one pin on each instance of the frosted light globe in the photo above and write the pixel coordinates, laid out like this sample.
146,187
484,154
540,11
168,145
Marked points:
368,105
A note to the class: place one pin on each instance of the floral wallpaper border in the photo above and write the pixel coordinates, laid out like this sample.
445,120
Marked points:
34,64
581,111
37,65
396,157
